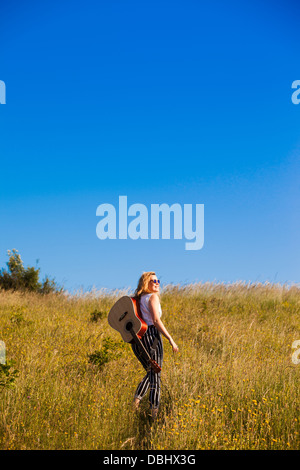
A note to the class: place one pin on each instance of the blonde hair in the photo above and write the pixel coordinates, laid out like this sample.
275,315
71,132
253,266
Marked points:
142,287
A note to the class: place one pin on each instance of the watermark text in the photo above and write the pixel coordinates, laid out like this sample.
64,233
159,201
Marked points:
136,223
296,95
2,353
2,92
296,354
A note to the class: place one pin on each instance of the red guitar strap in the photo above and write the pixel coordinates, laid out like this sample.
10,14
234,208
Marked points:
138,308
139,315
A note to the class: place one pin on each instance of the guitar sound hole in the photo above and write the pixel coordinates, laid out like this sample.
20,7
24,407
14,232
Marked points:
128,326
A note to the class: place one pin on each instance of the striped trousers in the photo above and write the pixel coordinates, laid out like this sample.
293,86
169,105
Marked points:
151,379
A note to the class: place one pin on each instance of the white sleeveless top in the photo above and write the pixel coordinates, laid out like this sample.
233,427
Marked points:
145,311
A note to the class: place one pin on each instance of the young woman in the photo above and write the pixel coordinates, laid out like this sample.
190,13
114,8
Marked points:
147,294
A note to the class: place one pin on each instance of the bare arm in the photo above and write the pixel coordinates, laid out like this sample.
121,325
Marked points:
154,310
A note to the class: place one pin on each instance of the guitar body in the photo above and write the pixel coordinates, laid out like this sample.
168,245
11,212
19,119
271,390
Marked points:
125,316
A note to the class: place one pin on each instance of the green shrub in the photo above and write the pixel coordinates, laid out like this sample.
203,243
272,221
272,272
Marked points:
98,315
8,375
16,277
110,350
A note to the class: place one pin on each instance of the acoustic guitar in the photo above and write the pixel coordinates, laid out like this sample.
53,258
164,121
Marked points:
125,317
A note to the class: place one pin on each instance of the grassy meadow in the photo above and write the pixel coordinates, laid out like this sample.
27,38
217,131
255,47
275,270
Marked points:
69,380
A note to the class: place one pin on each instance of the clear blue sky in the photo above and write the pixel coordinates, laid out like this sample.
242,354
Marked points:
162,101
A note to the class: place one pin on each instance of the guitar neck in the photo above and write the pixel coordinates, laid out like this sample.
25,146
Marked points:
137,340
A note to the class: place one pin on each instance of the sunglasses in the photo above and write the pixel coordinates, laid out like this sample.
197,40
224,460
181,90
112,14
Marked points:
156,281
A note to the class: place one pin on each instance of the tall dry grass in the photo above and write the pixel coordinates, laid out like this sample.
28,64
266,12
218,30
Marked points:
232,386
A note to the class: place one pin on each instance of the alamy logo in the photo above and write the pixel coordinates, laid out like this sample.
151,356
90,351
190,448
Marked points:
2,353
2,92
295,95
296,354
138,227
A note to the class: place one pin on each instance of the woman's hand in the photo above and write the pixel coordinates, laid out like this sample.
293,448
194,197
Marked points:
174,345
